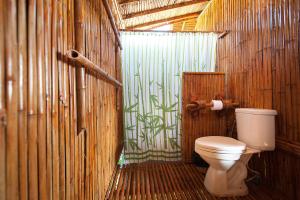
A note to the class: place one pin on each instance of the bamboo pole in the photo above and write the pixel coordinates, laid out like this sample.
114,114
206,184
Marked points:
89,65
41,101
66,38
61,102
72,101
80,72
2,106
11,71
54,105
22,104
32,102
112,22
47,28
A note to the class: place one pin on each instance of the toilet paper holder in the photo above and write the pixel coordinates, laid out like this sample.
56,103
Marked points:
203,104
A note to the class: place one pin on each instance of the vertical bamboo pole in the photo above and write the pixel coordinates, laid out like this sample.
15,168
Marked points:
80,72
66,26
79,13
10,11
54,104
72,100
2,105
47,29
22,105
62,183
88,48
32,102
41,101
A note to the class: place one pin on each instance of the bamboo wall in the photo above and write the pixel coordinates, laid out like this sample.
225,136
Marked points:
48,151
200,86
260,57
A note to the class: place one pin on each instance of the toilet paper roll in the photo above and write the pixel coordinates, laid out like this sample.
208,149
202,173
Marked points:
217,105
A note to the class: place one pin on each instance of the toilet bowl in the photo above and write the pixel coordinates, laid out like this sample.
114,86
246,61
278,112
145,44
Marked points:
227,167
228,157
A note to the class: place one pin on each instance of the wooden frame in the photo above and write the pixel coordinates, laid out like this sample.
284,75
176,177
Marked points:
165,21
161,9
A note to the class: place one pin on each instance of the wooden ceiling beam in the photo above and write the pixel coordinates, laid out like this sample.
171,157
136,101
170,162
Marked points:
165,8
162,22
172,22
126,1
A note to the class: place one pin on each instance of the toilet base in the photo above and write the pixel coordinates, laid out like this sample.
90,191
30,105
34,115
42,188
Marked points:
233,192
229,183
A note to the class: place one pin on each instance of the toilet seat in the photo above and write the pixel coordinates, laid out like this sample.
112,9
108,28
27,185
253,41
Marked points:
218,156
219,147
220,144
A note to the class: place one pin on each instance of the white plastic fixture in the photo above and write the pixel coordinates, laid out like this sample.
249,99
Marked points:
228,157
256,128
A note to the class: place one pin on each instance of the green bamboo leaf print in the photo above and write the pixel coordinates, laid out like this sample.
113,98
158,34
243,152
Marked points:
130,128
154,99
173,143
172,108
144,138
133,144
152,79
130,108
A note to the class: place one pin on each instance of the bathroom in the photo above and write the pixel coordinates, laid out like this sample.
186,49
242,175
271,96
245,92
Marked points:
149,99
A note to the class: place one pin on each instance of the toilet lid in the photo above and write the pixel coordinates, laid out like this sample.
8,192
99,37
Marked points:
220,144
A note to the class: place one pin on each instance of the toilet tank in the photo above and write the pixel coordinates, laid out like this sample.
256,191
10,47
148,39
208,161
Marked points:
256,127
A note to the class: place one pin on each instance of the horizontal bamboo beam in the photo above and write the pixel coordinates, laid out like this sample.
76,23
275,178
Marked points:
223,34
288,146
172,31
202,104
164,8
127,1
89,65
112,22
166,20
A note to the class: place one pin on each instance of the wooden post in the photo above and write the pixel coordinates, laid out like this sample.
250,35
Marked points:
80,72
2,105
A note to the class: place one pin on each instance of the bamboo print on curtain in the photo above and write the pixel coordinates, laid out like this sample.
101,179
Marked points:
152,66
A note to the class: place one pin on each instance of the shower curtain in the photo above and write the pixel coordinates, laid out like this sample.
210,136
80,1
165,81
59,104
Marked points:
152,64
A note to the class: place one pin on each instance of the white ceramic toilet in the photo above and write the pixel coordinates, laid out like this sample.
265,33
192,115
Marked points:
228,157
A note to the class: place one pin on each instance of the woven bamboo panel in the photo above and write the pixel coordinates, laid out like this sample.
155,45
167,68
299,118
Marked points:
60,128
202,86
172,180
260,57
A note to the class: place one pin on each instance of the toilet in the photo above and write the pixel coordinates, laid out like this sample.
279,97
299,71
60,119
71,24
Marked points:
228,157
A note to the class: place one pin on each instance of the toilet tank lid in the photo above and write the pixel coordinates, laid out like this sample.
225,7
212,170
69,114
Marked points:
256,111
220,143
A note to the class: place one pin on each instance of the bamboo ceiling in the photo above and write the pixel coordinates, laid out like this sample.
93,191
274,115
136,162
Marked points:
148,14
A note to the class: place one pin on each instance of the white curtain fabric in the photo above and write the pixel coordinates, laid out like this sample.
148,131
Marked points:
152,64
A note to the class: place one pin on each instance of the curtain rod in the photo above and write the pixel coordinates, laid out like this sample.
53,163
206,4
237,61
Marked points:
158,31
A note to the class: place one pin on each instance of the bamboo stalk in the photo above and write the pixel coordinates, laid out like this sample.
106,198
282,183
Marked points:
72,102
80,72
54,105
47,29
10,13
41,101
112,22
22,105
32,102
61,102
76,56
2,107
67,38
